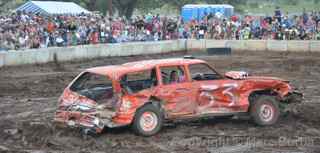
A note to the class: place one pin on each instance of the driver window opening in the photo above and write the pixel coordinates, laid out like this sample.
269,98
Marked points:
94,86
172,75
202,72
138,81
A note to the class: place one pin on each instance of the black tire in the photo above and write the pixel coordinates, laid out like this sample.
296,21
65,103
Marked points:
149,110
264,110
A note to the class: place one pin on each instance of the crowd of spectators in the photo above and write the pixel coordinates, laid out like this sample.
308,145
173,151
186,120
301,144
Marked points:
23,30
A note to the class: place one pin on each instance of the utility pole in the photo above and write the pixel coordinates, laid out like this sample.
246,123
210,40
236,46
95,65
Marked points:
110,8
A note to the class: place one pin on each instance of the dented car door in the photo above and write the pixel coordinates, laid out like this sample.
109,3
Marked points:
214,94
217,96
176,91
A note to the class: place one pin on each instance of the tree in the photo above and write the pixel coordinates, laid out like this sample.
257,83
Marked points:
125,7
152,4
110,7
5,5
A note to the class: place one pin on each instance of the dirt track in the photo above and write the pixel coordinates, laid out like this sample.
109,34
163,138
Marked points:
28,97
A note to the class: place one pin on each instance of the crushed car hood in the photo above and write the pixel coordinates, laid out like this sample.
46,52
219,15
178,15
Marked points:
266,78
242,75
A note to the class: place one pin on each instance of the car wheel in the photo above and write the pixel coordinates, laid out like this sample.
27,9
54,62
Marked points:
265,110
148,120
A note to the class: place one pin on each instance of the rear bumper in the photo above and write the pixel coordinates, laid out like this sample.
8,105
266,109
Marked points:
89,122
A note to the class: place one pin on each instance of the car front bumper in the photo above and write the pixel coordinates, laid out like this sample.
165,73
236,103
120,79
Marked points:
294,97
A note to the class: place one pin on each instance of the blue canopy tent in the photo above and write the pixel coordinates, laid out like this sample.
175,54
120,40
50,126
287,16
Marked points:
193,11
52,8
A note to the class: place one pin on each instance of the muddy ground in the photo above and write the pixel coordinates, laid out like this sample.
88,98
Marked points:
28,97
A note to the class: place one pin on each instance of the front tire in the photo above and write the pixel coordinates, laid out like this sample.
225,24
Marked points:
148,120
265,110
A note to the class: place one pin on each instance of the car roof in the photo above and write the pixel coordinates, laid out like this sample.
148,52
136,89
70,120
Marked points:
115,71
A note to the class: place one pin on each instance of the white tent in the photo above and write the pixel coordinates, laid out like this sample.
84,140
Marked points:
53,8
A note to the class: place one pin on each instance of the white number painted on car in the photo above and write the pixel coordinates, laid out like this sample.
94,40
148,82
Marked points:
228,92
206,92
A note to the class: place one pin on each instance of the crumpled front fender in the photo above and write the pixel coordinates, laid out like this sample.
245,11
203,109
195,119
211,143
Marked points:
293,97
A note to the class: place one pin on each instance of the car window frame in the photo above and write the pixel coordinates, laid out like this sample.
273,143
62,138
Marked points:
186,75
138,71
88,72
209,66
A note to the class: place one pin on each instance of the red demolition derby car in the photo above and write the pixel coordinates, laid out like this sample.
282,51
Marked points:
145,94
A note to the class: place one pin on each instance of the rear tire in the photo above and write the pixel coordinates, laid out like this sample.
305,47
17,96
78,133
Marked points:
148,120
264,110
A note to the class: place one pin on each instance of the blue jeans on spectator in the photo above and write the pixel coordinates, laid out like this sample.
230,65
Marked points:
201,36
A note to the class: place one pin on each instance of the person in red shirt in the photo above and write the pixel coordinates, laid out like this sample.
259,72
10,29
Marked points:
50,27
234,18
94,37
